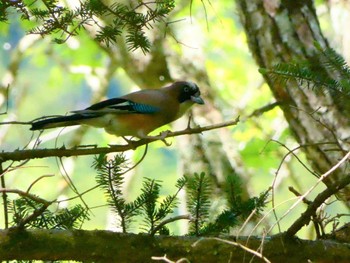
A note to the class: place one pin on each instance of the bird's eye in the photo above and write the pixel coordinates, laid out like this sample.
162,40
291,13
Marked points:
186,89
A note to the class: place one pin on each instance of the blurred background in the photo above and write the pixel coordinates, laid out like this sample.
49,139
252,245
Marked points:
204,43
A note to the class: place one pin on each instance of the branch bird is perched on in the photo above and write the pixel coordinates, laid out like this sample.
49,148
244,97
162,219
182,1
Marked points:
135,114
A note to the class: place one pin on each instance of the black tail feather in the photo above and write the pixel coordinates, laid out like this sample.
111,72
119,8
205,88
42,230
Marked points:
61,121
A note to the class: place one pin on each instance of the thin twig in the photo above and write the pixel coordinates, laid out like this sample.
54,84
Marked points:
34,215
25,194
98,185
167,221
70,183
316,220
305,218
165,259
4,197
319,200
260,111
296,193
265,216
37,212
290,151
255,253
245,223
37,180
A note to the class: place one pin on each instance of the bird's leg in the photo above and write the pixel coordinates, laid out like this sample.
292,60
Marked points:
161,136
129,141
190,117
126,139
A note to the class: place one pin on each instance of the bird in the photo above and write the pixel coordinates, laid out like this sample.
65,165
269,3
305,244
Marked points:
135,114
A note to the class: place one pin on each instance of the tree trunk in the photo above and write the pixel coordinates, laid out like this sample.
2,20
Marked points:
282,32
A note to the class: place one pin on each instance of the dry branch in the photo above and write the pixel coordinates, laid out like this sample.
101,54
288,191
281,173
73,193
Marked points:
305,218
20,155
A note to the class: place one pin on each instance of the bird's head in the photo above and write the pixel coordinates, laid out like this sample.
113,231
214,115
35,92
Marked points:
189,92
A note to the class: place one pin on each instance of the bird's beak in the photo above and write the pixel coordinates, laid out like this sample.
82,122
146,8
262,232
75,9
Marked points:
196,98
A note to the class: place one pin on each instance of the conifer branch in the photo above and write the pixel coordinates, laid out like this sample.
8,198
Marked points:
62,22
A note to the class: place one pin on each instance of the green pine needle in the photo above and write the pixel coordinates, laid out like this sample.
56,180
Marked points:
328,74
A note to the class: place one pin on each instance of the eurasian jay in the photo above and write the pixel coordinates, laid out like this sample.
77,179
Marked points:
135,114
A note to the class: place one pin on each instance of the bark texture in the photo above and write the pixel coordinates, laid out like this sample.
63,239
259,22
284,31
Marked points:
282,32
105,246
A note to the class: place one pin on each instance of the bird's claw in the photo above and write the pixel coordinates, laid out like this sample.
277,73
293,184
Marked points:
162,137
166,143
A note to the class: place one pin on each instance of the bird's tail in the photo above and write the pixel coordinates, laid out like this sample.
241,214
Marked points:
60,121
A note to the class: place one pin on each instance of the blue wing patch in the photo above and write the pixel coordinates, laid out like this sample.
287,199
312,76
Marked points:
143,108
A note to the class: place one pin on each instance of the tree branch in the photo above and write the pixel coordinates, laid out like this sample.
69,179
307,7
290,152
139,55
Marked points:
305,218
20,155
106,246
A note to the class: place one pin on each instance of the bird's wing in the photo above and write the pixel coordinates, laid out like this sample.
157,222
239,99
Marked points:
120,106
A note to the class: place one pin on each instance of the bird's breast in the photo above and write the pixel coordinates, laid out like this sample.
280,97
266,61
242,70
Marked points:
133,124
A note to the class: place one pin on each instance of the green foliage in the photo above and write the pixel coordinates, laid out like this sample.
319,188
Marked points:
24,208
236,204
110,179
222,224
32,212
328,73
199,190
153,210
55,19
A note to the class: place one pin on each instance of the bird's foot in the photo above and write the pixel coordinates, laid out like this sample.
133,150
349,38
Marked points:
161,137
